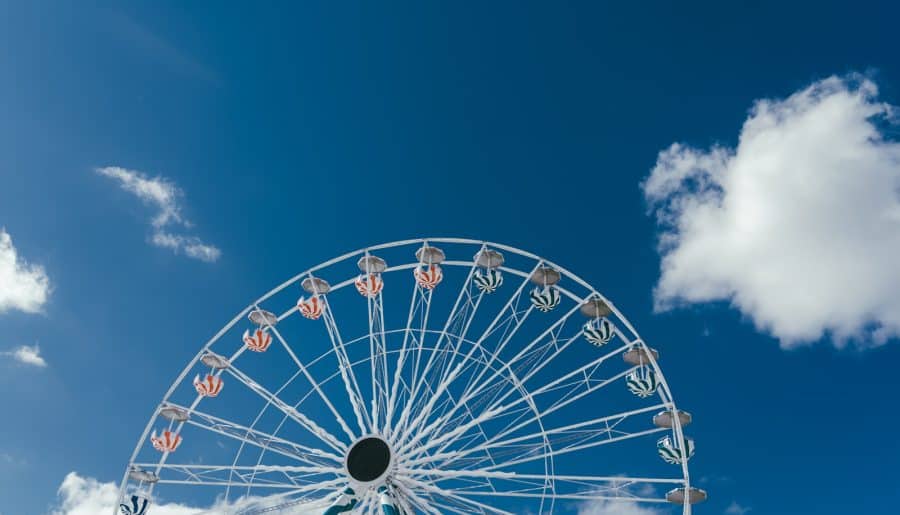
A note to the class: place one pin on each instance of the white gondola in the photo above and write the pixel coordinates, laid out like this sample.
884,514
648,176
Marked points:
665,419
370,264
174,413
545,276
489,259
262,317
595,308
694,496
315,286
638,354
642,382
488,281
671,453
545,299
215,361
142,476
599,331
428,255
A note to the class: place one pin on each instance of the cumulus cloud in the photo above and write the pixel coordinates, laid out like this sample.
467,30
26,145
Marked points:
798,226
23,286
79,495
164,196
86,496
27,355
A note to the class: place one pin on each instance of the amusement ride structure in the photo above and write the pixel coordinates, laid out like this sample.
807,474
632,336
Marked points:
427,376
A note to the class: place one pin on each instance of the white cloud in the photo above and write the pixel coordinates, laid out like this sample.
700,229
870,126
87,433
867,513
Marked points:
79,495
736,509
28,355
798,227
163,195
23,286
615,508
191,246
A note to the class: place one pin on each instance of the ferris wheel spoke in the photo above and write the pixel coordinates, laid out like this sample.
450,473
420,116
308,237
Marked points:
350,383
417,340
240,479
549,339
574,436
378,361
589,386
289,411
316,386
575,447
493,388
569,497
509,319
259,439
453,495
410,495
460,318
415,304
272,476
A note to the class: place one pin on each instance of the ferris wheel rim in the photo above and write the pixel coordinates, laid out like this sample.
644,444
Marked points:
665,391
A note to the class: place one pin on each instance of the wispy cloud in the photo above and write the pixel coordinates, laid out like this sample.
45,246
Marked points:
736,509
164,196
798,226
23,286
158,48
27,355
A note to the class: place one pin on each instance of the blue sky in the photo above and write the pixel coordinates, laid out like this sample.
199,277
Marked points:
295,133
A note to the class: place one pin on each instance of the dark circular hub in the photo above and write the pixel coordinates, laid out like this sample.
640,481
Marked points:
368,459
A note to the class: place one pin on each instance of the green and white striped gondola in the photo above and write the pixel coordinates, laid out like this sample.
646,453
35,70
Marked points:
642,382
135,505
599,331
489,281
671,453
344,503
387,502
546,298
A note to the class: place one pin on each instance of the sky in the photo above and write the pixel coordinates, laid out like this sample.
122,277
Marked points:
727,172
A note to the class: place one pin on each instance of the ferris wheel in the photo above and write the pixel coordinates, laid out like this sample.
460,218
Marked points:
427,376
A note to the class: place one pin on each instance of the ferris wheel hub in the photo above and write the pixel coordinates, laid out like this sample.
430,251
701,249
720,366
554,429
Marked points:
369,460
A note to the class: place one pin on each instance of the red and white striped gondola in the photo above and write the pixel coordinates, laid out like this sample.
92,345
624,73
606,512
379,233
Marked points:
257,341
369,285
429,276
210,386
167,441
311,308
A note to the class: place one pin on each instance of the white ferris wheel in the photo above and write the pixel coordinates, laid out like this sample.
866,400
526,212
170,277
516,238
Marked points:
428,376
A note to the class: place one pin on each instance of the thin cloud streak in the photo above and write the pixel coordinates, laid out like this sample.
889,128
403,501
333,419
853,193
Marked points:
164,196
